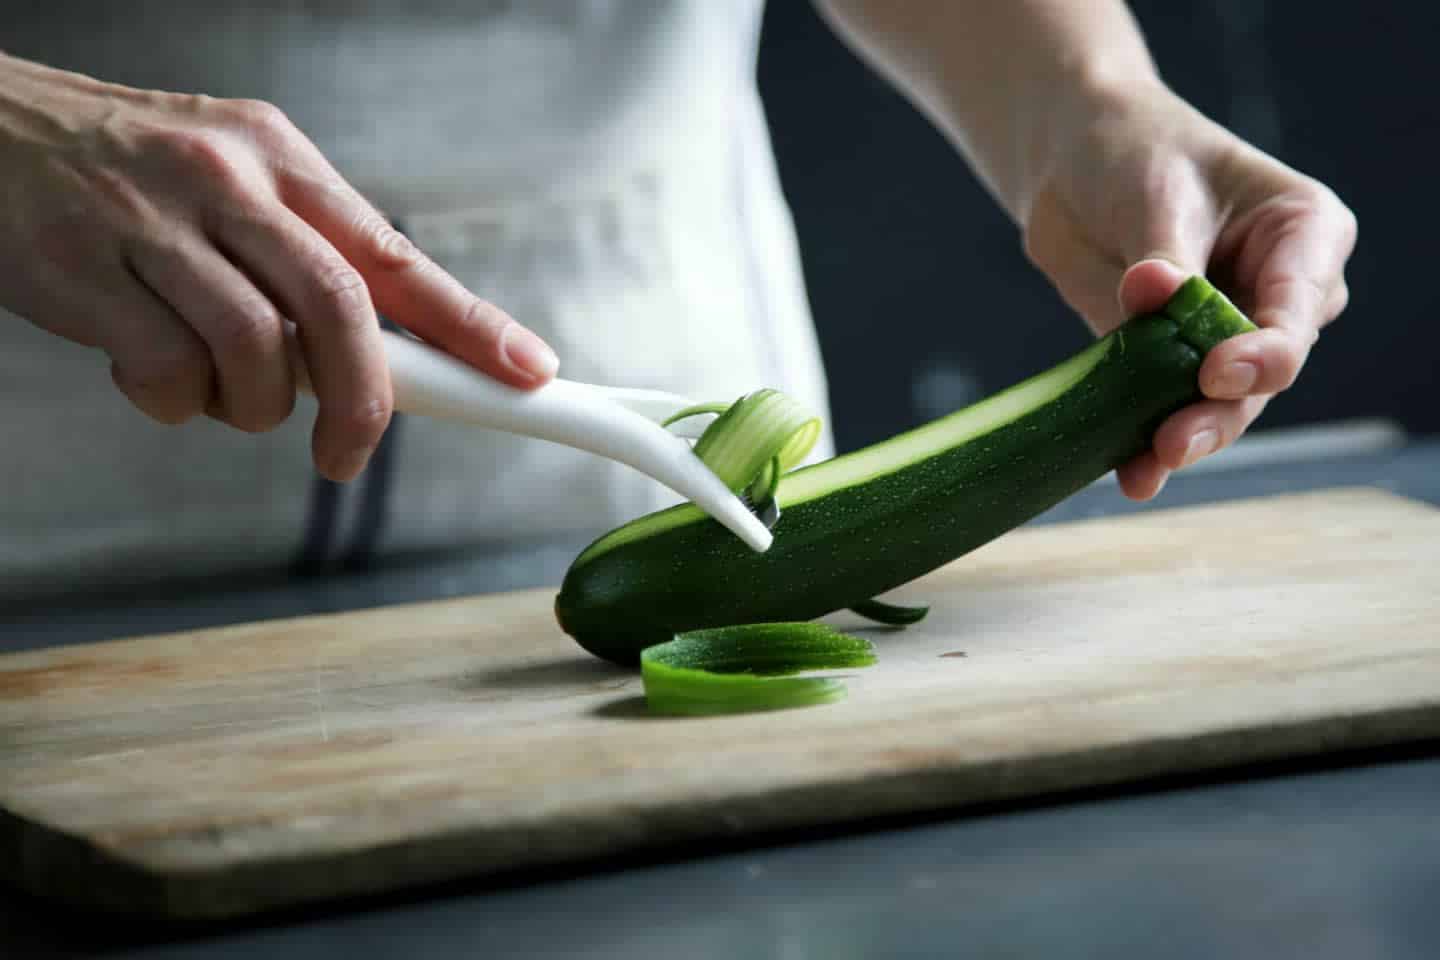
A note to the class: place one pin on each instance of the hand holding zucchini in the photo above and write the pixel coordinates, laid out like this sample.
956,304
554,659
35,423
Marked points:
858,525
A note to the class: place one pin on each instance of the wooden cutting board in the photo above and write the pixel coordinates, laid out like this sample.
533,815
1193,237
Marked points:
232,770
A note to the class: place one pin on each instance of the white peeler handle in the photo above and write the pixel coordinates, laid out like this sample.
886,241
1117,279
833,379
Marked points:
430,383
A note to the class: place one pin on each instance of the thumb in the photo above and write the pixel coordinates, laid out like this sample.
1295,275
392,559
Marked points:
1147,285
1170,238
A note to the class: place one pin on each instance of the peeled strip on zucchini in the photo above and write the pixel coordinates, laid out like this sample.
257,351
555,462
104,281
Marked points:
754,441
865,523
748,668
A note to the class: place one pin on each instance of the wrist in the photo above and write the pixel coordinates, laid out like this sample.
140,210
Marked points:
1082,107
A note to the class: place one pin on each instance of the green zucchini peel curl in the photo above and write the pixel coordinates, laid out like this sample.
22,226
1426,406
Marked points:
749,668
754,441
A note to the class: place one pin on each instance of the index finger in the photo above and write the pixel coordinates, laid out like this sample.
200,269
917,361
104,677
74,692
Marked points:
1298,265
421,296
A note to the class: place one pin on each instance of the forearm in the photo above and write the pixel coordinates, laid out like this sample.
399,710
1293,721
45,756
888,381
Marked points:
1006,81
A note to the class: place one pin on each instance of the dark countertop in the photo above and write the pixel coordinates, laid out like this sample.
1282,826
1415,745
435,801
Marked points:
1339,859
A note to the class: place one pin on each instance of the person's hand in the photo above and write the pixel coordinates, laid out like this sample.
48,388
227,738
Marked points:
189,238
1152,192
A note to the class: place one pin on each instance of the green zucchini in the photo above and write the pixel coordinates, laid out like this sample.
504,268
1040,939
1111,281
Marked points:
860,524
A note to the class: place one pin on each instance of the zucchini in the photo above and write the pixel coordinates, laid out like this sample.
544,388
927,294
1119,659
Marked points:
860,524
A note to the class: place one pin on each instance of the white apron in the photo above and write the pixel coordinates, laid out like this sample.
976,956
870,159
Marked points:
600,169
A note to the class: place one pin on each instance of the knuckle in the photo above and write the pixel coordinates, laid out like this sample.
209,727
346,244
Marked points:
205,155
258,412
261,417
1315,289
1321,195
261,116
168,414
1292,288
164,246
1313,194
485,319
1040,226
170,386
1047,238
366,418
341,290
1324,202
1349,225
1339,301
246,328
1034,249
1297,211
162,370
1039,247
387,243
242,419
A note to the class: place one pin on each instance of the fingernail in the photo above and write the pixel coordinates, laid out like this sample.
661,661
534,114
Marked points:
1236,378
529,353
1201,445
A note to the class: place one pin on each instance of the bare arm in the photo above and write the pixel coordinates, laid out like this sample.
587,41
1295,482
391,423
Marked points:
188,237
1008,82
1121,188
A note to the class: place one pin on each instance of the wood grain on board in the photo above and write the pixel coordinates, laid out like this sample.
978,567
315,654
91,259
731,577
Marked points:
233,770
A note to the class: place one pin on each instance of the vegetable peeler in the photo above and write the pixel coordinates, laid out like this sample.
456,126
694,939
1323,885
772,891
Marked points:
621,424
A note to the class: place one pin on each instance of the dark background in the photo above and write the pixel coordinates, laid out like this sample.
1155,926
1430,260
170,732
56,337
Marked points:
900,240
